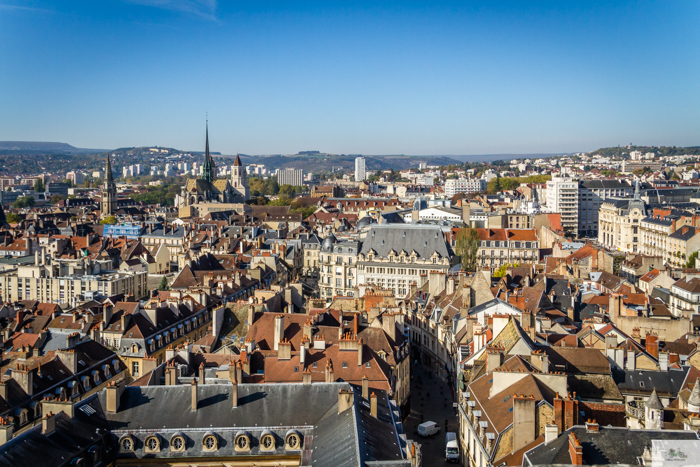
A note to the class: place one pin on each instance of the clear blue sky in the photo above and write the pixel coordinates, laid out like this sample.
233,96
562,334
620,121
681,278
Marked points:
365,77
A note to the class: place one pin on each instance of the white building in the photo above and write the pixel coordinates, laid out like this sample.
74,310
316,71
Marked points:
464,185
294,177
360,170
562,197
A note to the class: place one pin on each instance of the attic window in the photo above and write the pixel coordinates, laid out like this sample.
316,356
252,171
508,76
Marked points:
81,362
50,377
641,384
315,365
296,369
507,397
367,365
510,410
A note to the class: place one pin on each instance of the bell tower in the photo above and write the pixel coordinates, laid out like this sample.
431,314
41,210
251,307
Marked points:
239,179
108,202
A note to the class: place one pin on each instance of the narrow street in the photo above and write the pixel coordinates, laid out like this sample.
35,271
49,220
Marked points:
431,400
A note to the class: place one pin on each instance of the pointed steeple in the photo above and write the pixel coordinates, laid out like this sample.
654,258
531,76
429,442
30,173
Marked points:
209,169
654,402
237,162
108,170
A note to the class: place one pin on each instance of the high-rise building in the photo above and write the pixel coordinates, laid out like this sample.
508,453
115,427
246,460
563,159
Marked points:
562,197
294,177
360,170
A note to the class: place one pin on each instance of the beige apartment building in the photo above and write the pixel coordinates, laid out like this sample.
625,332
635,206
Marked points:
69,282
619,224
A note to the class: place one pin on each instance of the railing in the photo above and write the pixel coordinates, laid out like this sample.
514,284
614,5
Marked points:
635,409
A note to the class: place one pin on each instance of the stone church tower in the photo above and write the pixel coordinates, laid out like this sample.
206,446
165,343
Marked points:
108,203
239,179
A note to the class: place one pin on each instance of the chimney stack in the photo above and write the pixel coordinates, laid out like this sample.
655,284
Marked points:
652,344
48,424
234,393
279,330
373,405
346,399
365,387
284,350
194,395
306,376
202,377
6,430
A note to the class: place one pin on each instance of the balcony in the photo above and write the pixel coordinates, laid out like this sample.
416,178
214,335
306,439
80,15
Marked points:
635,409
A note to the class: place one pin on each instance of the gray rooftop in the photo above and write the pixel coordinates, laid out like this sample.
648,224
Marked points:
424,239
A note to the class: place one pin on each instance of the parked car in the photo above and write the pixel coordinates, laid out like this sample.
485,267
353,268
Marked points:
451,447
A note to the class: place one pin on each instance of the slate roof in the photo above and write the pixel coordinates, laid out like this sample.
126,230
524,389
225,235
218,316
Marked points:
609,445
424,239
667,383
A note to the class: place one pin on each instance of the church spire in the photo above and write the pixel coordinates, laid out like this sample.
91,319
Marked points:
108,171
209,172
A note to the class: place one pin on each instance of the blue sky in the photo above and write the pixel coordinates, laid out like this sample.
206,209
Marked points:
363,77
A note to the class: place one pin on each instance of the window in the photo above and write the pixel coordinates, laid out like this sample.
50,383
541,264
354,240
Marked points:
242,443
152,444
293,442
127,445
135,369
267,442
209,443
177,444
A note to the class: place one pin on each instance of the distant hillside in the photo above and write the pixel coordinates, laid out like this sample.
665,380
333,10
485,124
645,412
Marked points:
659,150
42,147
312,162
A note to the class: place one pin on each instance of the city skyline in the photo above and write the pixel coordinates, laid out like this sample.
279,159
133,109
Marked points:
355,79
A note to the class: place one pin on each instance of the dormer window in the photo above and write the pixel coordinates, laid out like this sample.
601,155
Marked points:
210,443
126,444
177,443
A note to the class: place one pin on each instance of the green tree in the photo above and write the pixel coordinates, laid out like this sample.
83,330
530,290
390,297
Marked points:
467,246
13,218
692,261
39,185
109,220
23,202
164,284
56,198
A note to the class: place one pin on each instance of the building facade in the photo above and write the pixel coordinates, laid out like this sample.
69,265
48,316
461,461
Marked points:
338,268
464,185
396,256
591,194
562,197
294,177
360,170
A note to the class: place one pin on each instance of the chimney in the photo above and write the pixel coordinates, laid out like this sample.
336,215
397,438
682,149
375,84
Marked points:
48,424
550,433
523,421
450,288
194,395
663,361
308,332
202,377
284,349
373,405
329,371
279,330
652,344
24,377
631,360
302,354
171,376
365,387
107,313
6,430
234,393
494,359
592,425
306,376
114,392
251,315
389,325
575,450
346,399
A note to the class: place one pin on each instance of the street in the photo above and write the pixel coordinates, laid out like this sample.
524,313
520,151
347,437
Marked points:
431,400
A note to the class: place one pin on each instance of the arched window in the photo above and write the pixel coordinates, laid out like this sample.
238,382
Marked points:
267,442
127,444
177,443
152,444
242,442
209,443
293,441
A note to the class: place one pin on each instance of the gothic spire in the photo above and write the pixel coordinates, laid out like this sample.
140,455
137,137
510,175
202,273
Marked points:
209,169
108,171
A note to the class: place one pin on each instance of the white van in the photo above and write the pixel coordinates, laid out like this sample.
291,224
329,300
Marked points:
428,429
451,447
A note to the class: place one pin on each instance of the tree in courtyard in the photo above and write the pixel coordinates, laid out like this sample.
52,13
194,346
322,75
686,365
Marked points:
467,246
164,284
